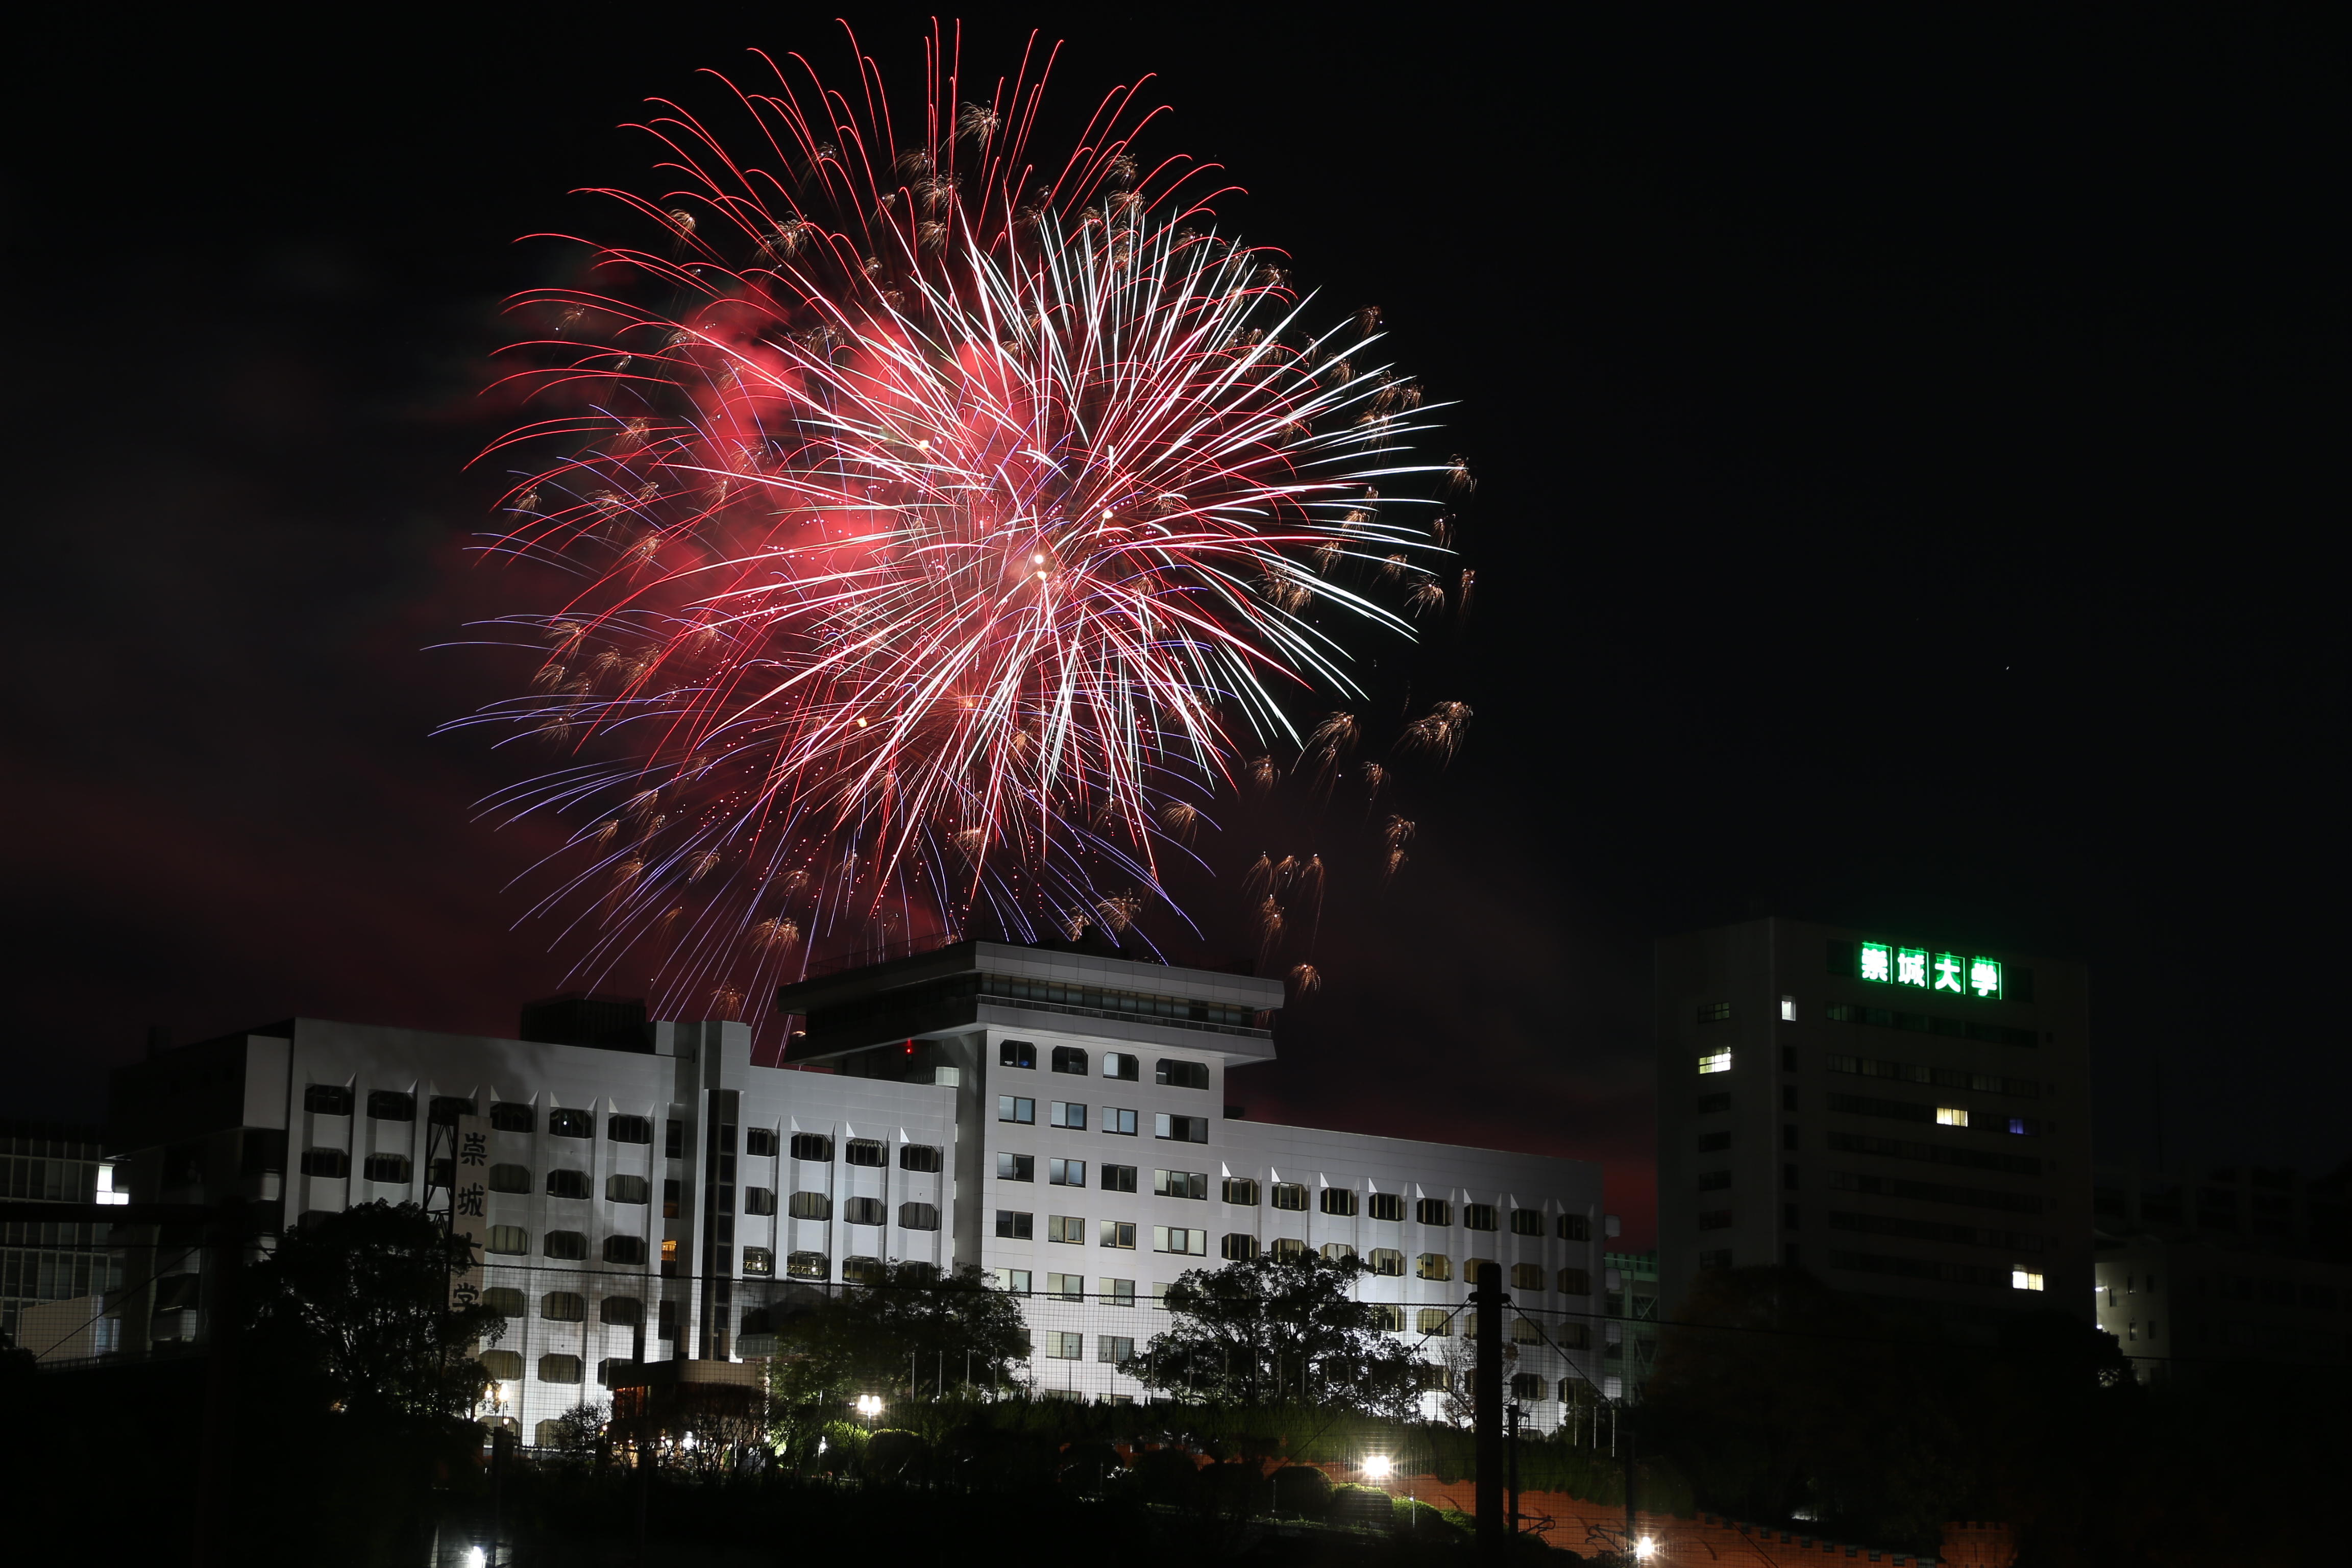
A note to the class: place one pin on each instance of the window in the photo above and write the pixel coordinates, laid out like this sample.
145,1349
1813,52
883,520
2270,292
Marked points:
1237,1247
1176,1074
1290,1195
1123,1066
2024,1279
558,1369
1064,1345
624,1249
1065,1173
1240,1191
1714,1143
505,1300
1119,1178
813,1146
1066,1228
1433,1211
1117,1232
567,1183
1015,1167
862,1211
1575,1282
388,1168
622,1311
1714,1181
640,1130
504,1365
1388,1261
808,1266
1572,1336
569,1245
1177,1239
507,1239
756,1200
1716,1061
1478,1216
918,1157
809,1205
1527,1277
1069,1059
1951,1116
1714,1012
865,1151
1526,1222
756,1139
1065,1113
1711,1104
674,1141
1180,1129
1114,1348
570,1124
563,1307
507,1116
326,1163
1066,1287
1526,1386
1715,1219
1788,1009
1789,1097
327,1099
862,1270
1572,1227
391,1105
1338,1252
1524,1331
1018,1226
1338,1200
1470,1267
1116,1292
510,1178
1432,1265
1015,1280
1179,1184
1015,1054
670,1264
1390,1318
1385,1205
1436,1322
1014,1108
443,1109
918,1216
1121,1122
758,1262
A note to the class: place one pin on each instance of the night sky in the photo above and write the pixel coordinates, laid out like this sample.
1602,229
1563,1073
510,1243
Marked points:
1906,448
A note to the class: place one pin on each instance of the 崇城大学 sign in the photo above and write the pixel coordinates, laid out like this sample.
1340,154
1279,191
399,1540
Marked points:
1888,964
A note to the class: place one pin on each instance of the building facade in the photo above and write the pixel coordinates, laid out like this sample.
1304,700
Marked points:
52,1272
1055,1118
1906,1118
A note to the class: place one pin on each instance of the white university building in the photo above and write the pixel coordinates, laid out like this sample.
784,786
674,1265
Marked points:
1058,1118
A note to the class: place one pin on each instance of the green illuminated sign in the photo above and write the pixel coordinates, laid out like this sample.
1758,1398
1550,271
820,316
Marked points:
1887,964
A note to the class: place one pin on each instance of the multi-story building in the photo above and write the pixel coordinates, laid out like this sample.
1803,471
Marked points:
1056,1117
1629,1283
2199,1277
1906,1118
53,1273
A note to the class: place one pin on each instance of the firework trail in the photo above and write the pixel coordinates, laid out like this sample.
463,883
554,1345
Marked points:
946,525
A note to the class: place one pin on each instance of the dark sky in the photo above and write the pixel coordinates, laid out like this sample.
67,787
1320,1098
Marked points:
1907,445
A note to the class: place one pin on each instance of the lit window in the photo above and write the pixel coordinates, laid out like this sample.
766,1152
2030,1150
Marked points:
1434,1322
1951,1116
1788,1009
2024,1279
1388,1261
1433,1266
759,1260
1716,1061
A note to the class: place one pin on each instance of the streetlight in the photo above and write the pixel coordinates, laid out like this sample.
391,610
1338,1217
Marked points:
870,1406
1646,1549
1378,1467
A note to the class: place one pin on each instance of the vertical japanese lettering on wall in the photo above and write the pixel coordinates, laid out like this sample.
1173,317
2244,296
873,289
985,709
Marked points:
1922,969
468,1210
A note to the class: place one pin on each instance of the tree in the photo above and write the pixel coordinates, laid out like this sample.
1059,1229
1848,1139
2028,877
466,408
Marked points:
1272,1327
356,1309
864,1336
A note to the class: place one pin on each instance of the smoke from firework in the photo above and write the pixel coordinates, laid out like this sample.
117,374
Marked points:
946,527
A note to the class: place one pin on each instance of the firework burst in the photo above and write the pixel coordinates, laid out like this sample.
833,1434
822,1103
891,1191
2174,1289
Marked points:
946,524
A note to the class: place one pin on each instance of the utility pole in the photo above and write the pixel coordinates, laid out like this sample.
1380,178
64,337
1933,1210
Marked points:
1512,1411
1486,1406
1632,1512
